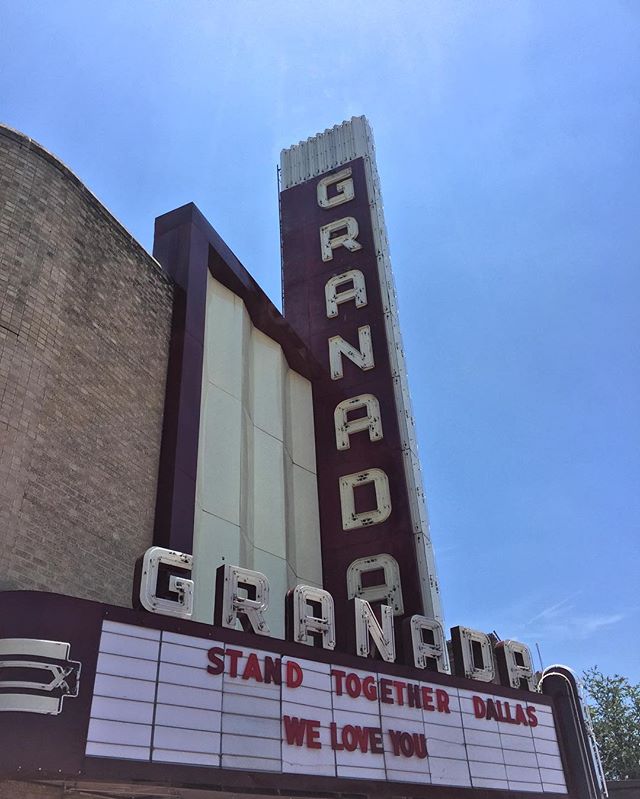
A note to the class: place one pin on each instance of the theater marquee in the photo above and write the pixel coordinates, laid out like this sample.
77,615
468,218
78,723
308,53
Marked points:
287,635
146,695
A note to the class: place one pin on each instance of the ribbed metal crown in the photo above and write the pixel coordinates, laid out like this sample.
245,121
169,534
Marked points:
325,151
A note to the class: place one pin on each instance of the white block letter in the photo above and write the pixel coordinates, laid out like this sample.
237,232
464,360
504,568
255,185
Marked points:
329,242
363,358
476,665
182,605
357,291
517,663
346,427
348,483
367,627
344,189
305,624
245,597
423,651
389,588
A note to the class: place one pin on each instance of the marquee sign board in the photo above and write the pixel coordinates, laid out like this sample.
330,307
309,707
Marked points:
159,695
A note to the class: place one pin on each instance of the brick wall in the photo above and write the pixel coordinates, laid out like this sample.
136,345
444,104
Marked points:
85,317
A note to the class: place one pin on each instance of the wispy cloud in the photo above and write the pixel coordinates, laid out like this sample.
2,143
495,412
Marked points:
554,611
592,624
565,619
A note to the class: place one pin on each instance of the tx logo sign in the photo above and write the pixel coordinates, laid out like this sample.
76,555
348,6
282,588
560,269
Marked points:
36,676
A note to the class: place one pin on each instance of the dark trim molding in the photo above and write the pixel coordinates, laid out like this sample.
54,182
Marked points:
583,780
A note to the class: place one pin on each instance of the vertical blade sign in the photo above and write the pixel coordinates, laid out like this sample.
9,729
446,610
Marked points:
339,296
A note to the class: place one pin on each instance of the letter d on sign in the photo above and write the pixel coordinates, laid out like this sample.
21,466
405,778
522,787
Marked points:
479,707
294,674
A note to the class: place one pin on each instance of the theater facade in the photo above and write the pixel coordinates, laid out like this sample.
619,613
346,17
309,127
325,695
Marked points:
218,576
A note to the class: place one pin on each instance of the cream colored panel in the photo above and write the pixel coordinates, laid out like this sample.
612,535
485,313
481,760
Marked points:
218,489
246,477
303,526
276,569
292,577
216,542
223,357
256,497
269,522
268,368
300,439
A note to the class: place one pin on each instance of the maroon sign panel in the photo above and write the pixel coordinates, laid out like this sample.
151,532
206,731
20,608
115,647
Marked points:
333,298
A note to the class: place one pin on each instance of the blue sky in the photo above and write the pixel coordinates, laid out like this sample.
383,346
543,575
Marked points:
507,139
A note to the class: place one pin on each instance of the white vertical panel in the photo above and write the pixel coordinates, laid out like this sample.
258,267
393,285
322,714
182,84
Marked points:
219,453
299,438
268,368
303,521
216,541
254,498
269,521
246,482
223,340
276,568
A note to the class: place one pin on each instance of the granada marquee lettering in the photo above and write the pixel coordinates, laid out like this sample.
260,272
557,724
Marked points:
243,597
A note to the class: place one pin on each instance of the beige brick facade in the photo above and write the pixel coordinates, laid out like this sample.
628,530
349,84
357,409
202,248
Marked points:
85,315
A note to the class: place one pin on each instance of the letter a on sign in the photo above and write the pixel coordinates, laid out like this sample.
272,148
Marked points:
346,427
335,295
